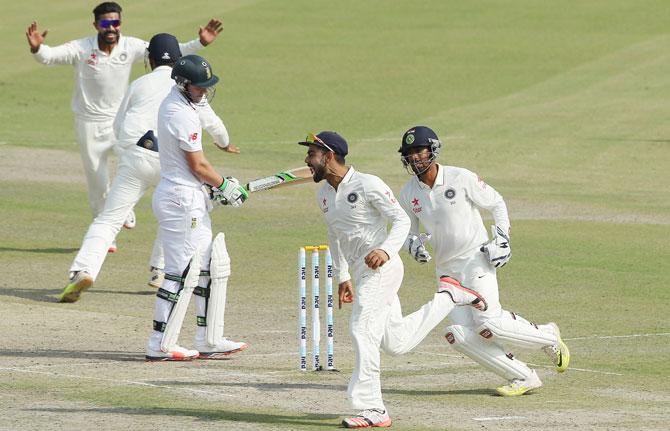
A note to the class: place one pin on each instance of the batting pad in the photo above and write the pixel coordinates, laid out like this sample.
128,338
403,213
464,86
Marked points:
489,355
514,329
176,319
219,269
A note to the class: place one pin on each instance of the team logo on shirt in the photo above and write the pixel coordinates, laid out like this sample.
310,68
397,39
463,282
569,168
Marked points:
415,206
193,136
352,198
324,205
450,194
93,59
123,56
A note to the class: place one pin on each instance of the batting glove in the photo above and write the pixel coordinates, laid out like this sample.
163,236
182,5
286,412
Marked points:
498,249
230,192
416,248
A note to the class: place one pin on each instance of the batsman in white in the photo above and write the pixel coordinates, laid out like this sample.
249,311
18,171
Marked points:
180,205
102,65
446,201
357,208
135,130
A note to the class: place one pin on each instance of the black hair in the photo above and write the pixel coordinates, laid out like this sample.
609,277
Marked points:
106,7
338,158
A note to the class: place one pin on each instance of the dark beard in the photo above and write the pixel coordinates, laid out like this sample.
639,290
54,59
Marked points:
103,37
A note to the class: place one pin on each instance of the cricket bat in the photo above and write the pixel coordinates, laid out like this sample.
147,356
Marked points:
285,178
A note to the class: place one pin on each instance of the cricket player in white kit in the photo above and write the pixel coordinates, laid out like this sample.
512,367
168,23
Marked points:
446,201
180,205
357,208
135,128
102,65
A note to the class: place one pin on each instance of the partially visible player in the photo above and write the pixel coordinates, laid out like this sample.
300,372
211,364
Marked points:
135,128
102,65
357,208
180,205
446,201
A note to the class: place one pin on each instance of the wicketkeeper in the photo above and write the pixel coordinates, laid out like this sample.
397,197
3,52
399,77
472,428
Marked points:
446,201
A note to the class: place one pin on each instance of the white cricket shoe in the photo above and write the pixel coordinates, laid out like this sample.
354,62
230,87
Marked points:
176,353
559,353
78,282
370,418
221,350
157,277
130,220
518,387
112,247
460,294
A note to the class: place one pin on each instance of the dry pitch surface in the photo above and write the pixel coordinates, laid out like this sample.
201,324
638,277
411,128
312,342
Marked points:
80,366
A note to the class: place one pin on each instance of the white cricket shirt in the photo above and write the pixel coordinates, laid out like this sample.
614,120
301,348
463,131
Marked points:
100,79
179,130
138,112
357,214
449,211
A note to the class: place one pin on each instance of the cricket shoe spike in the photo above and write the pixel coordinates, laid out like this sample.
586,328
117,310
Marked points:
370,418
157,277
176,353
79,281
130,222
559,353
221,350
518,387
460,294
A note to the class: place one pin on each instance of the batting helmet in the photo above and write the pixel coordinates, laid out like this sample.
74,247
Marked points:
420,136
194,70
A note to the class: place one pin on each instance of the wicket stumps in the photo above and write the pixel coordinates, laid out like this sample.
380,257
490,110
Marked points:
316,318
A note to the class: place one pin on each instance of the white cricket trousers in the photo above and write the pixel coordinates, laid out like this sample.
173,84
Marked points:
474,271
96,143
377,322
138,170
185,227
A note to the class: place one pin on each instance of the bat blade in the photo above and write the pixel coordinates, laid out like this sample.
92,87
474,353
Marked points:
285,178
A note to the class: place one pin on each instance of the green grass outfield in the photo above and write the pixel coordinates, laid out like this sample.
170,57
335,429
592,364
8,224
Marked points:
562,106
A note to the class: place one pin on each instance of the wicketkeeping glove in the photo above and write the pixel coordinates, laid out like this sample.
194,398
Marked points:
416,248
498,249
230,192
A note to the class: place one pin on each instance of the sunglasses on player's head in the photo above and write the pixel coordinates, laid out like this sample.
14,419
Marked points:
313,139
107,23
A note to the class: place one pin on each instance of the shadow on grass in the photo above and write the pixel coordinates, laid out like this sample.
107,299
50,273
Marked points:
319,386
75,354
261,386
307,420
41,250
449,392
50,295
42,295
